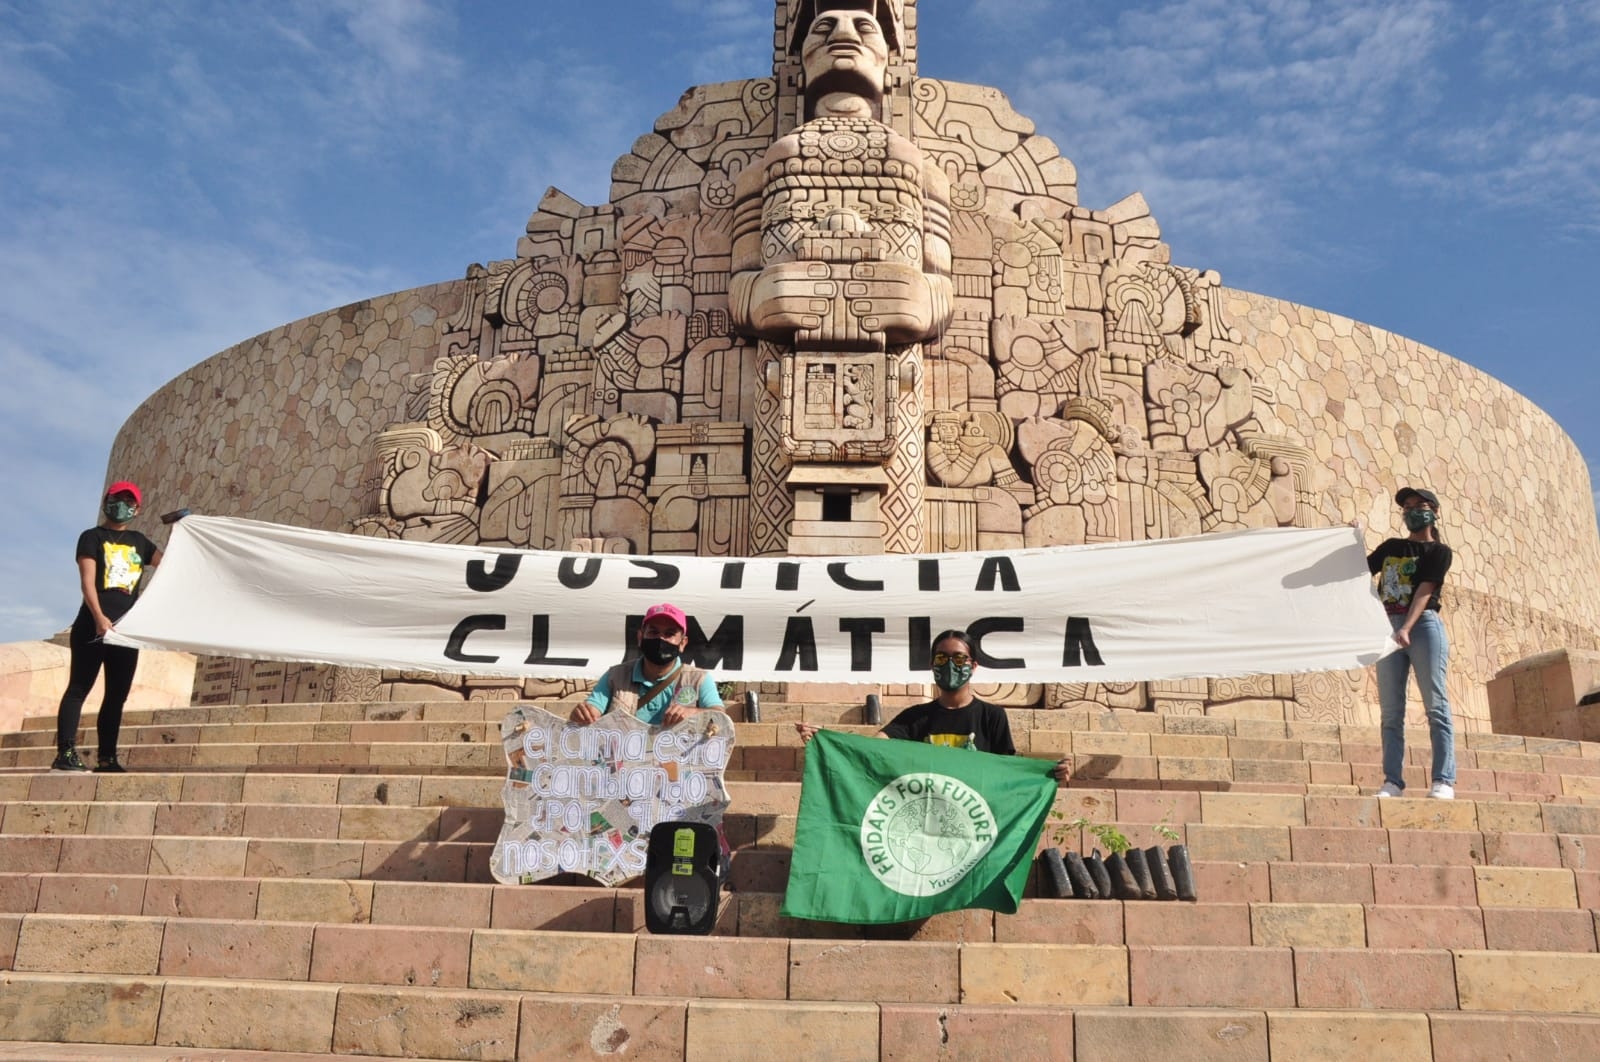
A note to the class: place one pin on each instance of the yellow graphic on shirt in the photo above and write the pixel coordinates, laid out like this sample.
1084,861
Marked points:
123,567
951,741
1395,582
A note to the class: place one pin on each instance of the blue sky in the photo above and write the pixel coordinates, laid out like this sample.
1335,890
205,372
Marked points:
178,175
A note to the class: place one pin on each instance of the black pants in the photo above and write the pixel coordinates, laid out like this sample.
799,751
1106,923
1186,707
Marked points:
89,655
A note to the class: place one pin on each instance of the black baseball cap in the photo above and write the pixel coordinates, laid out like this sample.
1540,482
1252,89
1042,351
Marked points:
1416,492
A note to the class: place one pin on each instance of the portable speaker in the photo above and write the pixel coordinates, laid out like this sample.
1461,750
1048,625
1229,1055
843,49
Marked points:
681,886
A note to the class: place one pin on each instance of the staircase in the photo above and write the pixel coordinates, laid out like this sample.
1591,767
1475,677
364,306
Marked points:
310,881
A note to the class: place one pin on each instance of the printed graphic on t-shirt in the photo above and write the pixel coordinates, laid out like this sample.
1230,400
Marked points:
1397,581
123,567
951,741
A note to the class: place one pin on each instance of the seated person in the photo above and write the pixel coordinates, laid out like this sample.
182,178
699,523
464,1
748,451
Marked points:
958,718
657,687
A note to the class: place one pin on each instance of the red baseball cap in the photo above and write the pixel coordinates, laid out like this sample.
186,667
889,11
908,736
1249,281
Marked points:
122,486
671,612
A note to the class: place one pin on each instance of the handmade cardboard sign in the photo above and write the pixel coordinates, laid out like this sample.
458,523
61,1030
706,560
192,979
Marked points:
582,799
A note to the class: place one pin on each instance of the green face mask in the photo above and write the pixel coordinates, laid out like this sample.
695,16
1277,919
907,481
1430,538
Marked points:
1419,518
119,512
951,676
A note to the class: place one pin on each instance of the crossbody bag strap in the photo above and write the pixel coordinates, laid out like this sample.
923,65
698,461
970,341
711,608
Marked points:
650,694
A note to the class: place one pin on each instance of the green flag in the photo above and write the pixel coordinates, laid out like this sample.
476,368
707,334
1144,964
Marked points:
892,831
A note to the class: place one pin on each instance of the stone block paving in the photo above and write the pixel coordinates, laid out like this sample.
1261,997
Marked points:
311,881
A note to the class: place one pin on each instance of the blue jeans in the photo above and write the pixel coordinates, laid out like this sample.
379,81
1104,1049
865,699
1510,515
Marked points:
1427,657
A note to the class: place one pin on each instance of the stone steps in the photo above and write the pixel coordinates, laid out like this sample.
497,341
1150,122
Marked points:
312,881
1529,778
1312,905
703,998
1278,969
564,1027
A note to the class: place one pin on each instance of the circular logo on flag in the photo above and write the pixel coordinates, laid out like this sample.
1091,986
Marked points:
924,832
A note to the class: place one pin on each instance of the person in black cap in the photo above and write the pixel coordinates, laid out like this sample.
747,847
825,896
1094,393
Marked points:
112,562
1410,572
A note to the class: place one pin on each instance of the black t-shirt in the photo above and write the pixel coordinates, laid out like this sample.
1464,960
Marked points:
1402,565
978,725
119,563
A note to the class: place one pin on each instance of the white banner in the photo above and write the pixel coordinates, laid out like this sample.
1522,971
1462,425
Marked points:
1271,601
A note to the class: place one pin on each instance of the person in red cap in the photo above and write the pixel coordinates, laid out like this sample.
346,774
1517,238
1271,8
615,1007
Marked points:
658,687
112,563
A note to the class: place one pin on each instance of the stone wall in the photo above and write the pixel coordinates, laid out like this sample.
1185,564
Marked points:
278,427
33,676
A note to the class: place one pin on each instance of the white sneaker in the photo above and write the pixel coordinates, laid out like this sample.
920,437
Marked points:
1389,789
1442,791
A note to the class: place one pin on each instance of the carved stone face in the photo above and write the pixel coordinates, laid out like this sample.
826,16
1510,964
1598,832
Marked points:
847,45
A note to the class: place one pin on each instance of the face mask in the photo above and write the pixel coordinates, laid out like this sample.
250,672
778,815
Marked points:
1419,518
951,676
659,650
119,512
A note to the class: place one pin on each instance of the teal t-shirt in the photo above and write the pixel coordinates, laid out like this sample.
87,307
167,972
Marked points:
651,711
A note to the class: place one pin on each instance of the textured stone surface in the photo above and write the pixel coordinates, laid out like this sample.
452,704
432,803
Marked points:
875,971
1525,887
712,967
1044,973
249,1015
555,1029
914,1033
1212,1035
581,963
292,900
1528,981
89,944
1374,979
1211,976
104,1010
413,1024
266,951
1326,925
1313,1036
753,1031
391,955
1496,1037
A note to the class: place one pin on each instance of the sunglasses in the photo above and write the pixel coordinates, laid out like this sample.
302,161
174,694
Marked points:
958,659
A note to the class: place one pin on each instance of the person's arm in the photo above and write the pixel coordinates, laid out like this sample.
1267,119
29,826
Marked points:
153,561
91,595
710,696
1431,569
807,731
1419,604
597,703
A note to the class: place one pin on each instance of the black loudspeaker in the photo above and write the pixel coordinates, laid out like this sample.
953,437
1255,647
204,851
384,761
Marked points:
681,887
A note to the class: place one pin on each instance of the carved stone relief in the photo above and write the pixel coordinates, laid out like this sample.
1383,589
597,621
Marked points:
844,309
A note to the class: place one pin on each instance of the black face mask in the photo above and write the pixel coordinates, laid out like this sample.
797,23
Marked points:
659,650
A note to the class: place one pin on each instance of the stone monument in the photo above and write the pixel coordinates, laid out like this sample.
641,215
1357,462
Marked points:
849,309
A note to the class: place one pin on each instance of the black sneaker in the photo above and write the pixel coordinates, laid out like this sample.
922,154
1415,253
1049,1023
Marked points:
69,760
109,765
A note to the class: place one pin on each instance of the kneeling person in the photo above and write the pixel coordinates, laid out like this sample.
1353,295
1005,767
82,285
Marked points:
657,688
